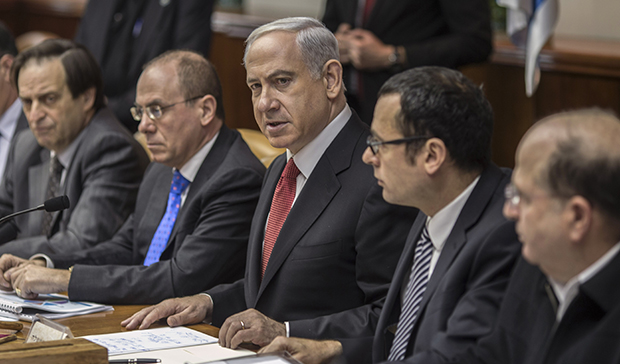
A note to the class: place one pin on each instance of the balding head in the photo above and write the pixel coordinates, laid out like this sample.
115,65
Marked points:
196,75
578,153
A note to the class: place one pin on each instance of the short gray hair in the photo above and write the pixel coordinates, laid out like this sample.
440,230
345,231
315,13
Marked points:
316,43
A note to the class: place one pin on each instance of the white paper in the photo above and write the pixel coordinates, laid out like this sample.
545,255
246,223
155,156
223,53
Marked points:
151,339
190,354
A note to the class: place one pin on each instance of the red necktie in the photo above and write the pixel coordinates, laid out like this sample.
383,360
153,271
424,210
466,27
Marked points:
367,9
280,206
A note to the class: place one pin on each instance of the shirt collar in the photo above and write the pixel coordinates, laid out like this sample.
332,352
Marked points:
565,293
8,120
308,157
191,167
440,226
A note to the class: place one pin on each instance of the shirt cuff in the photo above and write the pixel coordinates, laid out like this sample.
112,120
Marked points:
211,298
48,261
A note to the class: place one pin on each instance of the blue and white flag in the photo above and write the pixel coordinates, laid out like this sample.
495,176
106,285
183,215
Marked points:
530,23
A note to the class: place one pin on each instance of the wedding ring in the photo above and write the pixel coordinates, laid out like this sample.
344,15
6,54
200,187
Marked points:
18,291
242,325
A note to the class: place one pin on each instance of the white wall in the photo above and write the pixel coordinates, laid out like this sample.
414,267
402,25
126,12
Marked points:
584,18
282,8
589,18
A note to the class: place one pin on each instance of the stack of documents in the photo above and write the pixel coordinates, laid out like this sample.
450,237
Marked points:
176,345
52,306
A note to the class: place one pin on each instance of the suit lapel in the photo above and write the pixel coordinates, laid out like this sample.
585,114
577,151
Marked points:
97,47
156,207
403,271
319,190
38,175
473,209
154,12
209,165
383,13
257,234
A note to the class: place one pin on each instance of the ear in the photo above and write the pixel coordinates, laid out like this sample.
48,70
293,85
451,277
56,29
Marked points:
208,107
5,67
88,97
435,154
332,78
578,215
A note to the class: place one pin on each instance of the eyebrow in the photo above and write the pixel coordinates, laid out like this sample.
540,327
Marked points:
273,74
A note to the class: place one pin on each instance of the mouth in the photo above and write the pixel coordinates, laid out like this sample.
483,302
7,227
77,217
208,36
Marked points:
275,125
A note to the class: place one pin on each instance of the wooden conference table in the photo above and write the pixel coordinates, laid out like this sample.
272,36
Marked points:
109,322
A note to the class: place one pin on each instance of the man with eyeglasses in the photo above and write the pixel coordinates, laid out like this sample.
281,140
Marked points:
430,148
562,304
190,228
323,240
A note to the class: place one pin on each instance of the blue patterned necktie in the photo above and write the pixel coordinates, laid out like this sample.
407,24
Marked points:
160,239
413,296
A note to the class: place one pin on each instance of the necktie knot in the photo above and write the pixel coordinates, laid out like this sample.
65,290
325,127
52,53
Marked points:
291,170
179,183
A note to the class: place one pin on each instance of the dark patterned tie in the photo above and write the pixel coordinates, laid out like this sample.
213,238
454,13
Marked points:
413,296
280,206
53,187
160,239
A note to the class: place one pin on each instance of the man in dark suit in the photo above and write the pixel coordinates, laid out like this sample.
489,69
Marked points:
379,38
563,304
430,149
12,119
338,246
124,35
75,147
180,110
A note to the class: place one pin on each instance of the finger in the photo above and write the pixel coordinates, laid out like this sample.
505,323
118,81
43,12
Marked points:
151,317
135,319
343,28
234,327
191,314
278,344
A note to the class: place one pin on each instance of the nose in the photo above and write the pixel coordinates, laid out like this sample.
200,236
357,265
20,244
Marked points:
146,124
511,211
266,101
35,113
370,158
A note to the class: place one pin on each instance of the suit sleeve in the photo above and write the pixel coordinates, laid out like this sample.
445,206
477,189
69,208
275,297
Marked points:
380,237
213,252
469,37
475,315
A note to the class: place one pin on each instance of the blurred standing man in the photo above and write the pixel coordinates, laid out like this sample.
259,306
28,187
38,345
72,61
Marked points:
123,35
12,119
379,38
430,148
338,245
563,302
75,146
198,161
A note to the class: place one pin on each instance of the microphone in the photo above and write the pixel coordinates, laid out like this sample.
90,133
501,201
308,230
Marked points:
53,204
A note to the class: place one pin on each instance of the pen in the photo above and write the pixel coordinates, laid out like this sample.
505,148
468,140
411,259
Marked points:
8,338
134,361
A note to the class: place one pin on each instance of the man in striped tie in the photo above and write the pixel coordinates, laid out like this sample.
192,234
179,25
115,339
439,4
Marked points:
430,148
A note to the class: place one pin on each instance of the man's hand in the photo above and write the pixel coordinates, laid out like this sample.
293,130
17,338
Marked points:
257,329
305,350
342,35
179,311
8,261
29,280
367,52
